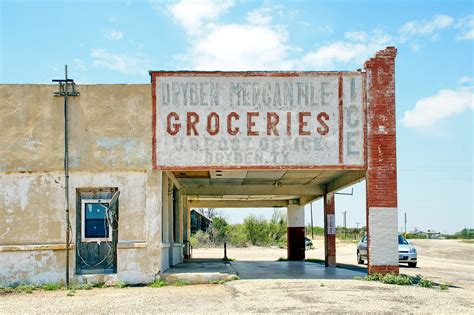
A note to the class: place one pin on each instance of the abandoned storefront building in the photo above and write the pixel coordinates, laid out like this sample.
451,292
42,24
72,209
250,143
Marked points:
199,221
108,190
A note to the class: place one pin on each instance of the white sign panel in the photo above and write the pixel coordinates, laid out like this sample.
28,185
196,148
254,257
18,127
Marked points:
331,224
304,120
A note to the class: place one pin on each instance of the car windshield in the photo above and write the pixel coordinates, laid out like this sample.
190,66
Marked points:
402,240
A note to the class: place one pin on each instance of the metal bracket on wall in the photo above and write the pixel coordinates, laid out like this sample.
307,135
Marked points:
66,84
346,194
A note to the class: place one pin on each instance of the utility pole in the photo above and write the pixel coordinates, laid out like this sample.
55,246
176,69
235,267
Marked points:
67,88
312,232
405,224
345,226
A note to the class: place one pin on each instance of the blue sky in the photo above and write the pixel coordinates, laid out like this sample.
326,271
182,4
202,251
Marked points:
119,41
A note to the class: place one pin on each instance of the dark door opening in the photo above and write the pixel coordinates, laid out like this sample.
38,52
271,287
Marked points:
96,232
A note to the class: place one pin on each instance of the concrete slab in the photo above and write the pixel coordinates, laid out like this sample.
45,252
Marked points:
291,270
200,271
197,271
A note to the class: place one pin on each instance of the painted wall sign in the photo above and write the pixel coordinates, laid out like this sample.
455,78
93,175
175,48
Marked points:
258,120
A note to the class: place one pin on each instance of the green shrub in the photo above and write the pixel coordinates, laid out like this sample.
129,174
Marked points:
158,283
425,283
396,279
51,286
120,284
194,241
7,289
444,287
219,230
216,281
237,235
181,283
374,277
388,278
25,288
86,286
256,230
201,239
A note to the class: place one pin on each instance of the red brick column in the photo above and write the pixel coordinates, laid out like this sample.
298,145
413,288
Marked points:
295,233
329,231
382,216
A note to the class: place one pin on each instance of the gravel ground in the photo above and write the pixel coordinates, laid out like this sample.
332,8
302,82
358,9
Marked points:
440,261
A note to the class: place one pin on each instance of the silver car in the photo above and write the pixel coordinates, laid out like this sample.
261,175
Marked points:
406,252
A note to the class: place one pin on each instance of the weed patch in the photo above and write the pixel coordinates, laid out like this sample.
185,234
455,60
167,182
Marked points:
388,278
157,284
181,283
425,283
216,281
25,288
391,278
51,286
120,285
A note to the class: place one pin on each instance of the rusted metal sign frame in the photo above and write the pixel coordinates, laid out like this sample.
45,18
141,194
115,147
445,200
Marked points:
341,166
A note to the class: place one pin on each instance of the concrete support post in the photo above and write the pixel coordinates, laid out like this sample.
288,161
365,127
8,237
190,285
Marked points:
165,211
295,233
329,230
382,217
153,223
186,227
165,223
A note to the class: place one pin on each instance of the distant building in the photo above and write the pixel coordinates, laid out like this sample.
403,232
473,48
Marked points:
199,222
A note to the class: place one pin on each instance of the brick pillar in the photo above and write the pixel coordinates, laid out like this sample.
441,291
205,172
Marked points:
329,231
382,217
295,233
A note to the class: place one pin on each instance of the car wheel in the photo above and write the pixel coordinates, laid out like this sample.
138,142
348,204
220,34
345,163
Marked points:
360,261
412,264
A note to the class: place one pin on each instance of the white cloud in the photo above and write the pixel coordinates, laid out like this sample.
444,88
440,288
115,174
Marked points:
113,34
193,15
260,16
122,63
79,64
465,80
355,50
466,25
356,36
445,103
257,44
241,47
260,43
424,27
